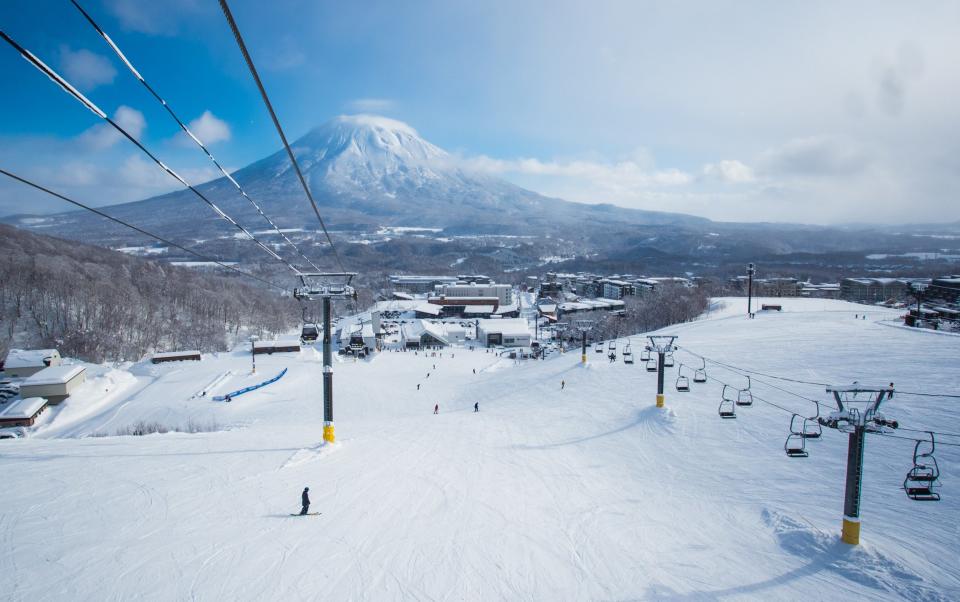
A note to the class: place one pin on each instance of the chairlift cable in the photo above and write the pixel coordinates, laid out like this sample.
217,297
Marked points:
276,122
187,131
141,230
67,87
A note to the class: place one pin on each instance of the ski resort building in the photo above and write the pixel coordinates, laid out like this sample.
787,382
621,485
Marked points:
423,333
175,356
419,284
54,383
268,347
22,363
505,332
21,412
872,290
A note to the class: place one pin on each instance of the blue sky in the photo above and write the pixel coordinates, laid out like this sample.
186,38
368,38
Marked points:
810,112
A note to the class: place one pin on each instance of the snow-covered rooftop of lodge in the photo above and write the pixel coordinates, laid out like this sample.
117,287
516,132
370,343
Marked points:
170,354
21,408
506,326
28,358
54,375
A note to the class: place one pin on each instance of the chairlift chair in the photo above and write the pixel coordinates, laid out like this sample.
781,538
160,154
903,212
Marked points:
795,445
651,365
598,347
612,345
921,480
683,384
309,333
811,426
668,360
645,355
728,408
744,396
700,374
627,354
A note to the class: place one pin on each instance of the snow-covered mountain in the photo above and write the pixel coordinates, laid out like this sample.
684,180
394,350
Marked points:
366,172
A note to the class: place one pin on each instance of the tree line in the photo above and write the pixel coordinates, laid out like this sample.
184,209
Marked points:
98,305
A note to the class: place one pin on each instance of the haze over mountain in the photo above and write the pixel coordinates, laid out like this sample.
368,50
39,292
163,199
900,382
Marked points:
373,175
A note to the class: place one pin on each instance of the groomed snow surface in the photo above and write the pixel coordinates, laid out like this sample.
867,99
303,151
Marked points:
589,493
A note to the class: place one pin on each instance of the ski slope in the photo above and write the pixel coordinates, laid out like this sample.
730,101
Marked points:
585,493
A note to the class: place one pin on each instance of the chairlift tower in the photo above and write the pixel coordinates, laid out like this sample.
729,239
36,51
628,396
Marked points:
326,286
751,270
858,413
662,344
583,326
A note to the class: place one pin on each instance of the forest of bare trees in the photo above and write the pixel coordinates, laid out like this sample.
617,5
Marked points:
98,305
651,311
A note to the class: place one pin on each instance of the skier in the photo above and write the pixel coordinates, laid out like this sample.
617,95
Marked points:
428,375
436,408
418,386
563,384
305,500
476,407
474,370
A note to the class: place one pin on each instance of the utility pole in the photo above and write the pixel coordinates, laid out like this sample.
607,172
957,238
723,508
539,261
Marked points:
662,344
326,289
751,270
253,353
583,326
857,414
918,290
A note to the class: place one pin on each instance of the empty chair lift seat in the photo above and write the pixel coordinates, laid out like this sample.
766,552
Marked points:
54,383
21,412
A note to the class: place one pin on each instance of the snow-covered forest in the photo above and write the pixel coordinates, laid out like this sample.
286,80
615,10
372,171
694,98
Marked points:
98,305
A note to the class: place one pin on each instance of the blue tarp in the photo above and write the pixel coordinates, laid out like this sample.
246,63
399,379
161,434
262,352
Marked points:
239,392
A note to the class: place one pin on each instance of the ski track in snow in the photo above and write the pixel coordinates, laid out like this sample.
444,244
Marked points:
589,493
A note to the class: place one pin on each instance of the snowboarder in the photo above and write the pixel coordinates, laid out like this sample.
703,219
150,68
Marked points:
418,386
476,406
563,384
305,500
436,408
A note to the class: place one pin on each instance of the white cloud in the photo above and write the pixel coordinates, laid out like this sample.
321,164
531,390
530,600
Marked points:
729,170
103,135
84,69
208,128
154,18
620,175
371,105
815,156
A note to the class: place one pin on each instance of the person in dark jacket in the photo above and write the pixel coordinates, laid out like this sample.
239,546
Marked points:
305,500
476,407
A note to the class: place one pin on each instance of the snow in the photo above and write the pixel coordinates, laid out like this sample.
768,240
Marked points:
54,375
22,408
586,493
29,358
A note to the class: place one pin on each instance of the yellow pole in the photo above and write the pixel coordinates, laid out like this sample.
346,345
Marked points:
328,434
851,531
659,400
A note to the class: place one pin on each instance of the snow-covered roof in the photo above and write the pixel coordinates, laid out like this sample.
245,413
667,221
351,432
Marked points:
412,330
22,408
429,308
277,343
451,328
168,354
29,358
54,375
507,327
435,330
478,309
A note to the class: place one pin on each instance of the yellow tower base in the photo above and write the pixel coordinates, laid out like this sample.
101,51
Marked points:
583,358
851,531
328,435
659,400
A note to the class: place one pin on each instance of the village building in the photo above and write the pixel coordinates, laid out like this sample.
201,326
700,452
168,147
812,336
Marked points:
21,363
21,412
872,290
175,356
55,383
504,332
423,333
270,347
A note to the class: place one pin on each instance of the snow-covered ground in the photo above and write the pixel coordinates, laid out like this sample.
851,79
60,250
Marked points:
584,493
